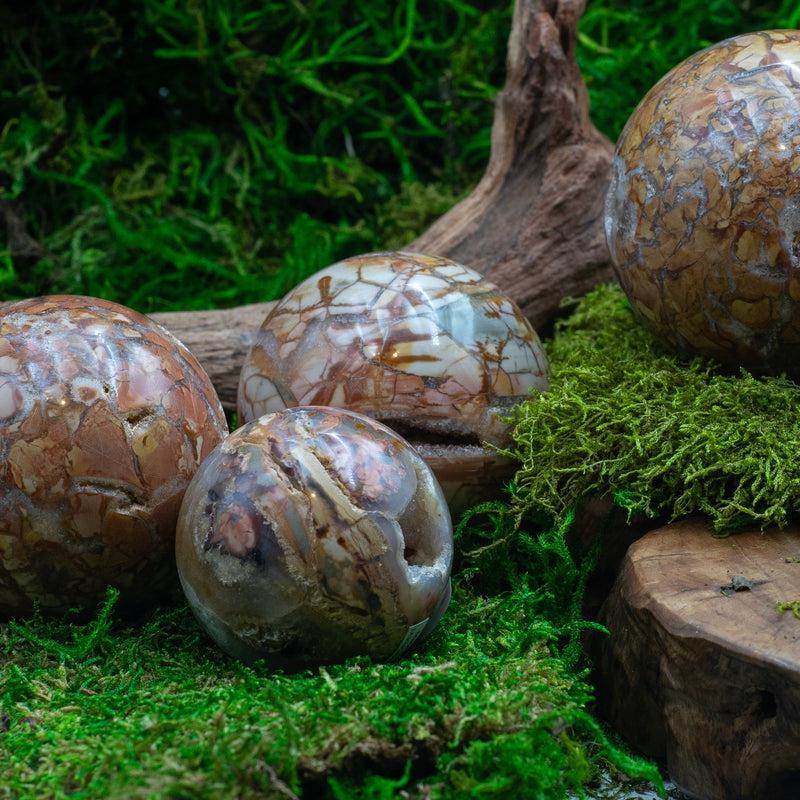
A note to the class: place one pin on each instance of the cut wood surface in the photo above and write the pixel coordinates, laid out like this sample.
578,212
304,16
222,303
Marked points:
701,669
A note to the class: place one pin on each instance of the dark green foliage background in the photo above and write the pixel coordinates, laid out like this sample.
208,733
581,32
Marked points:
187,154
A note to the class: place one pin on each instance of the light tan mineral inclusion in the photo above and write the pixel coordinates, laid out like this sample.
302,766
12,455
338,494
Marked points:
104,418
312,535
420,342
703,213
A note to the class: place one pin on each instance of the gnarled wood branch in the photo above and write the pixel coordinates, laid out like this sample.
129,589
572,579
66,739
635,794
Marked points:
534,222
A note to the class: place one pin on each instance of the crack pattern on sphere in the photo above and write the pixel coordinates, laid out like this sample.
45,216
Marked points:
312,535
703,212
401,337
104,418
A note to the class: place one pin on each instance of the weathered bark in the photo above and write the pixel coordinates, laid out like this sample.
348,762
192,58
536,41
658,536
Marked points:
534,222
701,669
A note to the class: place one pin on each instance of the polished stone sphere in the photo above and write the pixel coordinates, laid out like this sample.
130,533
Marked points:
703,212
312,535
422,343
104,418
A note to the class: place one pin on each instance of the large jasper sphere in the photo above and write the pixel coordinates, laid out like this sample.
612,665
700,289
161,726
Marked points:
312,535
104,418
419,342
703,213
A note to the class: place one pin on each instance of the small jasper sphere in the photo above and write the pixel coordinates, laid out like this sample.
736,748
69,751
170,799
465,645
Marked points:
703,212
312,535
417,341
104,418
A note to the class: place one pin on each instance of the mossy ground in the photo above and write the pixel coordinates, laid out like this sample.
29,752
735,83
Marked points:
488,709
662,435
234,148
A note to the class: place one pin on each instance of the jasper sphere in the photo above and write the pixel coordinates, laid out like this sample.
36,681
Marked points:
104,418
417,341
703,212
312,535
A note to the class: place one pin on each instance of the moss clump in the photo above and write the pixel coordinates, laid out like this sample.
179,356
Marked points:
789,605
489,706
627,419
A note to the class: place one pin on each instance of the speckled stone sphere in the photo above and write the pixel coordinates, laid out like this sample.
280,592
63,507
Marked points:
104,418
420,342
312,535
703,213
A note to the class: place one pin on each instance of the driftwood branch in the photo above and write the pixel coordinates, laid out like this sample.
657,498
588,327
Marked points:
534,222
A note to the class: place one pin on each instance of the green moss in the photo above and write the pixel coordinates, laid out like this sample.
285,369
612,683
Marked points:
626,46
234,147
626,419
157,711
789,605
237,147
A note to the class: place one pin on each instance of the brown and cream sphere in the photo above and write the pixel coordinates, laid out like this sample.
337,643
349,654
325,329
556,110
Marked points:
422,343
104,418
312,535
703,212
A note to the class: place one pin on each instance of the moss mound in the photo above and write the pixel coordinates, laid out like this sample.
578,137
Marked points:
663,437
491,708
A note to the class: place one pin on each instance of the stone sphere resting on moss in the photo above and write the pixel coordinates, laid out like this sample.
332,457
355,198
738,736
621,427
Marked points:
312,535
426,345
703,212
104,418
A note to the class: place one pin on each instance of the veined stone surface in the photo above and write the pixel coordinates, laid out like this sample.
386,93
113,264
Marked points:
104,418
703,212
413,340
312,535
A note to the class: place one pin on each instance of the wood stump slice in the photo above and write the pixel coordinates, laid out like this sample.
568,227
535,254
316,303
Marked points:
701,669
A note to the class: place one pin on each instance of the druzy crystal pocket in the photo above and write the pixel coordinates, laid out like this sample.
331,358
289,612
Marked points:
312,535
417,341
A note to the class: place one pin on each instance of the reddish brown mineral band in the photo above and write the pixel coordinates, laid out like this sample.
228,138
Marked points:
104,417
703,214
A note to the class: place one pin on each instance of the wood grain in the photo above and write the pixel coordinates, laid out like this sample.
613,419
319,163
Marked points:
703,676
